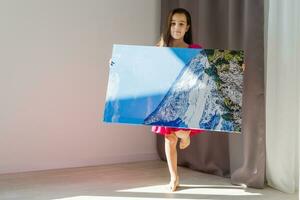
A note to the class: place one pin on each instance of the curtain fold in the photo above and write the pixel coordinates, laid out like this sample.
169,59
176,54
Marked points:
282,94
230,24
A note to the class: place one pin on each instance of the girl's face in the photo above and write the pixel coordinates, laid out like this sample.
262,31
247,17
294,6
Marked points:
179,26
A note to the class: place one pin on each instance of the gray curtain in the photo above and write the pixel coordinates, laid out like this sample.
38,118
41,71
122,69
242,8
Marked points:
230,24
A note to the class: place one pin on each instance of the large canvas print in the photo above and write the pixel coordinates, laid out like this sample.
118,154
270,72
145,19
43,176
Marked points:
175,87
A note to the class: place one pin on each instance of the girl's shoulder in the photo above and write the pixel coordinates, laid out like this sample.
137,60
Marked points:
195,46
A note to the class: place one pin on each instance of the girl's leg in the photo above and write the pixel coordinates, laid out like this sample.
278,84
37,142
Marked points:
171,154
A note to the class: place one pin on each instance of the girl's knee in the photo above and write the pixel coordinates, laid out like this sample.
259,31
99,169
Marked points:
172,139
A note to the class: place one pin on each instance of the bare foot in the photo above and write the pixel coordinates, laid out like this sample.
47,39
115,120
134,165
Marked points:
184,142
174,183
185,138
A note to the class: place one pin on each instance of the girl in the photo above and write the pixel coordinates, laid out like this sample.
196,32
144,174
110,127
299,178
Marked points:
177,33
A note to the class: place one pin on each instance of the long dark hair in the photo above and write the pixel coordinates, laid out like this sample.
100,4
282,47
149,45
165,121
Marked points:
166,35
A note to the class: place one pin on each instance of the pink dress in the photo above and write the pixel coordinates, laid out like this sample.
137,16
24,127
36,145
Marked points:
163,130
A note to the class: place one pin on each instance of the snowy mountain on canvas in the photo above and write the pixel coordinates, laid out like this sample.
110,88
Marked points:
207,94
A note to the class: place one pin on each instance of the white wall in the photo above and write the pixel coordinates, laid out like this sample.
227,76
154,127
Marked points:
53,75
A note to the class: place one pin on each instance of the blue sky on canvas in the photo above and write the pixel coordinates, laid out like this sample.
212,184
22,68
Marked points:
137,64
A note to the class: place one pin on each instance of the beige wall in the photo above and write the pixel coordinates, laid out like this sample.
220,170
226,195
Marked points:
53,75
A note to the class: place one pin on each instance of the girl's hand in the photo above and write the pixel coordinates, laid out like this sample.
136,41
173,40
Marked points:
243,66
111,63
159,44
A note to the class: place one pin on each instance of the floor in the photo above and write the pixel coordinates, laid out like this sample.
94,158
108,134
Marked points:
140,180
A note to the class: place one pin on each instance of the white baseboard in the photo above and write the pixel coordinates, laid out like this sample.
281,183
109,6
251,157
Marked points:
129,158
102,160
